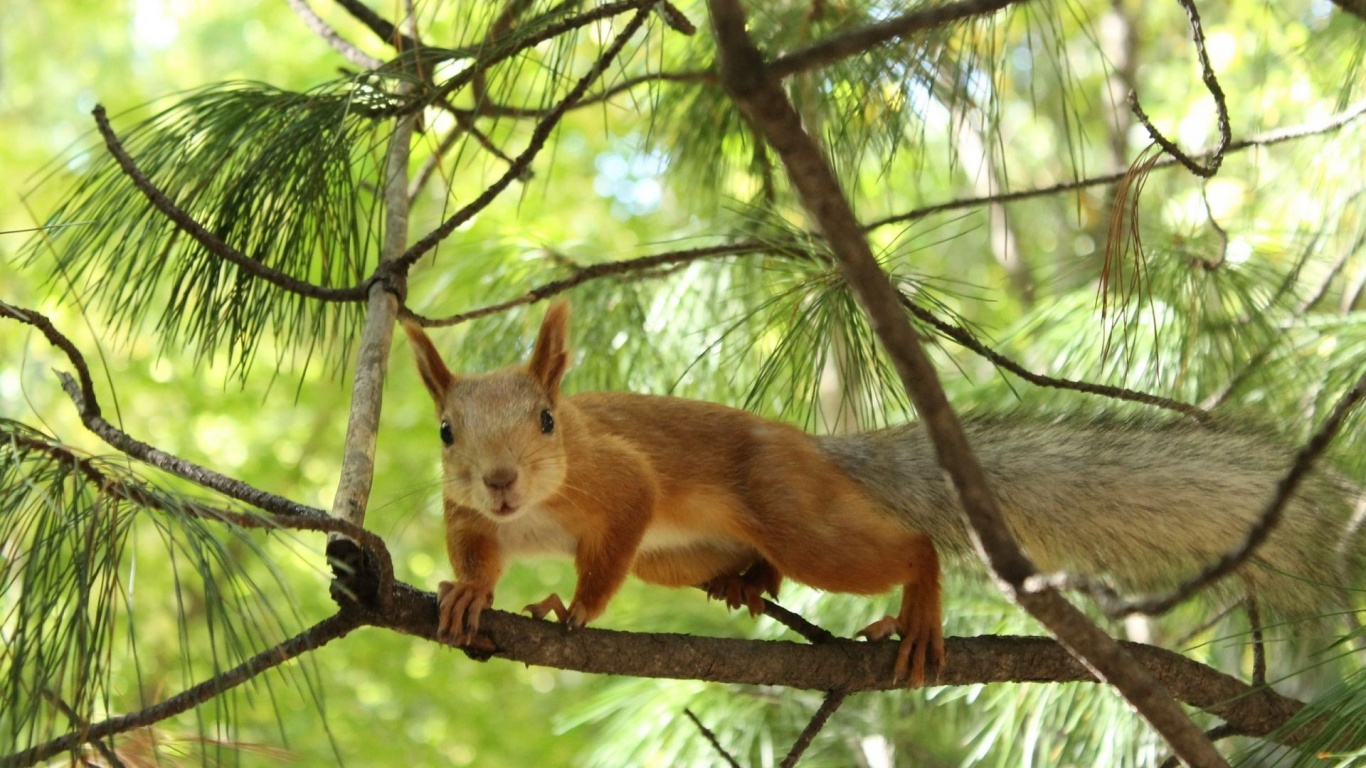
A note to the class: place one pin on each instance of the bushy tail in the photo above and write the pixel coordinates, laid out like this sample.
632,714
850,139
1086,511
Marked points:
1144,502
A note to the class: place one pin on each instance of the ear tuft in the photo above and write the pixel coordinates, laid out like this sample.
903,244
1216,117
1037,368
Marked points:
435,375
550,357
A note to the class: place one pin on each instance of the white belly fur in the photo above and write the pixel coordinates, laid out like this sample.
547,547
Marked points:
536,532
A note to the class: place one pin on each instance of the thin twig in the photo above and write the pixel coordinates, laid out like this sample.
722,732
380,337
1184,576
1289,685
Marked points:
1254,620
1305,459
539,136
814,633
1216,157
1217,733
968,340
105,750
125,490
580,276
341,45
383,29
211,242
82,392
832,702
833,49
711,737
1269,138
314,637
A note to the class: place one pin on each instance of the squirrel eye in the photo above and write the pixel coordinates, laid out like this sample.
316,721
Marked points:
547,422
446,436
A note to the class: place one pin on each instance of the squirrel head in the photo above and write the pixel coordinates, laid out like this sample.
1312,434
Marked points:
502,444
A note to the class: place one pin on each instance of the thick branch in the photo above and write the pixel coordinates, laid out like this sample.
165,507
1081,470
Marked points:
763,100
837,665
367,388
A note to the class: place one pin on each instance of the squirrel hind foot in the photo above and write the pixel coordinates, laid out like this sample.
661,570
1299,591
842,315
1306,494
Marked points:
919,639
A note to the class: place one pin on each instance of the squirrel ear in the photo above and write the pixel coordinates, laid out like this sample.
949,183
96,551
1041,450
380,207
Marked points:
433,369
550,358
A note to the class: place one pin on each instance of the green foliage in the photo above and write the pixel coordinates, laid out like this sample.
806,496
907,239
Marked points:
82,536
283,177
1245,290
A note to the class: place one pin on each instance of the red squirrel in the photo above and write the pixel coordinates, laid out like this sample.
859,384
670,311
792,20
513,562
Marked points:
682,492
679,492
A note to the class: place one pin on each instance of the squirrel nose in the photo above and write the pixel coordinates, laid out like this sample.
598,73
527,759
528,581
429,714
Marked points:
500,479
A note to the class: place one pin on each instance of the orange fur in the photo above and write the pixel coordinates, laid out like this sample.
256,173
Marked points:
679,492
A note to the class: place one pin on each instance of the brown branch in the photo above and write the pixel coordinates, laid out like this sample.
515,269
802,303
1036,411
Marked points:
832,49
1266,139
580,276
1305,459
490,109
310,639
1356,8
711,738
341,45
966,339
141,496
486,59
1216,157
840,665
383,28
211,242
593,272
832,702
760,96
82,393
539,136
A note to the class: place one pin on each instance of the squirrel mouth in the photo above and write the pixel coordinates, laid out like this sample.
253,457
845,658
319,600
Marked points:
505,509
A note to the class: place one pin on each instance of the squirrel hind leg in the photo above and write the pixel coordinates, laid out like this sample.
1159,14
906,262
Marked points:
919,623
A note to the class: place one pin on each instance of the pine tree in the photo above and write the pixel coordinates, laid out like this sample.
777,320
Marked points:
1077,208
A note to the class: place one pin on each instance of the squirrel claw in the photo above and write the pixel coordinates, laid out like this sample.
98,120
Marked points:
746,589
915,644
552,604
459,606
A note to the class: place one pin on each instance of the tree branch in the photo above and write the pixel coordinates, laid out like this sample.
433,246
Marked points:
83,395
141,496
711,739
310,639
758,94
842,46
1216,157
538,139
841,664
186,223
832,702
339,44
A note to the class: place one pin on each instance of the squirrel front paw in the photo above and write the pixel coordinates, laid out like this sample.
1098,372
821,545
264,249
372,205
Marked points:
459,605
